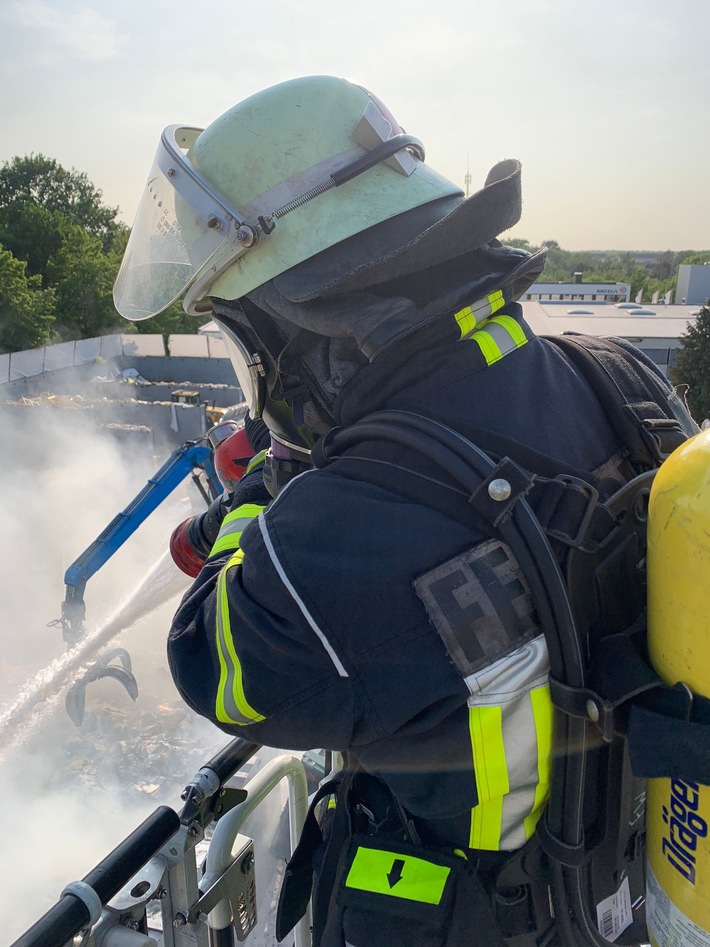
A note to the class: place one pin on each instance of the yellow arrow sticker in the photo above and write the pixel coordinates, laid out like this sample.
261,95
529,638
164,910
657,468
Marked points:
401,876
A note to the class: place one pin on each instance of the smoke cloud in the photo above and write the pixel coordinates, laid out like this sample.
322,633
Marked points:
74,793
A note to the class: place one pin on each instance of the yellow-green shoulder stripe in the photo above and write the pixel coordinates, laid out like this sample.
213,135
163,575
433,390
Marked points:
231,705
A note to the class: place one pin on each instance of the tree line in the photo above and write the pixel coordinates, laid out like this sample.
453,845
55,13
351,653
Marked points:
61,247
648,273
60,250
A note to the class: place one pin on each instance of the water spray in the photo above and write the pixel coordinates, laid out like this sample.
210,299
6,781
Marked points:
162,583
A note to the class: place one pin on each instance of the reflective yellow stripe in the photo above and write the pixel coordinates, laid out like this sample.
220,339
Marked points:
496,300
498,336
466,320
255,461
543,714
245,511
474,316
231,705
233,525
226,543
487,345
396,875
491,772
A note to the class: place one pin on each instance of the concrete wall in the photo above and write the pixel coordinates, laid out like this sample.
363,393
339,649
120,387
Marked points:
195,358
185,371
92,369
162,425
198,360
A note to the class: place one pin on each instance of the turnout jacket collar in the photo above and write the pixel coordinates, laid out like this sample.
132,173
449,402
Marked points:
470,340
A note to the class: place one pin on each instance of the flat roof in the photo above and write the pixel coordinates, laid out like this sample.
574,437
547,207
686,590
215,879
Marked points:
547,317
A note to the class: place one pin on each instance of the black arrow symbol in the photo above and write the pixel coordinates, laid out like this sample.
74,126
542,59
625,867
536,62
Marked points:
395,872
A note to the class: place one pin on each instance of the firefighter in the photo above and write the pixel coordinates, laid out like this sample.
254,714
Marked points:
349,277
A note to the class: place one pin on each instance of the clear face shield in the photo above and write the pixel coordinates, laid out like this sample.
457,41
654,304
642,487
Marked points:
181,226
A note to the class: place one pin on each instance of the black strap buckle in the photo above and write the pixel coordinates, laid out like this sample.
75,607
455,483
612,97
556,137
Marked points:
664,434
581,489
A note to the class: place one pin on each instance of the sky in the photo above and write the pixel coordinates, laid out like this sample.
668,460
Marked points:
604,102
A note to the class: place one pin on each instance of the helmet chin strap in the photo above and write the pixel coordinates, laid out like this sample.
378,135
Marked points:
282,464
299,384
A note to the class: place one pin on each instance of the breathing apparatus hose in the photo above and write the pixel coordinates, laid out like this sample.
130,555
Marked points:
469,466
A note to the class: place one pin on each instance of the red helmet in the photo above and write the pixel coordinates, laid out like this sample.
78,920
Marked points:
231,458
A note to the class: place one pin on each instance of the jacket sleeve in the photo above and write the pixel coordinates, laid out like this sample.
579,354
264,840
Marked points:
243,654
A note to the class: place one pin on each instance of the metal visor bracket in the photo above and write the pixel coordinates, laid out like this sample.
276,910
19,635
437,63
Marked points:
181,224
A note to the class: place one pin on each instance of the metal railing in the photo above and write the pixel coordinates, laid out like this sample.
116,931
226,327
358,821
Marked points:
157,862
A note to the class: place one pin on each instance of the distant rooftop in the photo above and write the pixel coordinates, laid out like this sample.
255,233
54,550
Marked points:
550,317
577,290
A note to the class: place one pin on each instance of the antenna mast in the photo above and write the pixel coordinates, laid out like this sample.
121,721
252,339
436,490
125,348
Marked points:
467,178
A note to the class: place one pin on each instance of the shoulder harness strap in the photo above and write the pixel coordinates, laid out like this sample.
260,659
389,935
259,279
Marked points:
634,401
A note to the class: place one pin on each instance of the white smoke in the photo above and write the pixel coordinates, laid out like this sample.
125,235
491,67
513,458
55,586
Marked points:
73,794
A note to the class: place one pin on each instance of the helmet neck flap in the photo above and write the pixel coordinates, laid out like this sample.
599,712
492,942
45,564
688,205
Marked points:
310,350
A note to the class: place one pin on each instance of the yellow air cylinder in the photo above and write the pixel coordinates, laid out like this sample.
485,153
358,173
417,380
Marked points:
678,813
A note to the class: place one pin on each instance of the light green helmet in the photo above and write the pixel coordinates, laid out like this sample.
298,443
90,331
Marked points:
279,178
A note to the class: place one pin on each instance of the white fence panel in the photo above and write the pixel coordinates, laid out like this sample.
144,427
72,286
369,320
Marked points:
216,347
29,362
138,345
111,346
58,356
18,365
188,346
87,350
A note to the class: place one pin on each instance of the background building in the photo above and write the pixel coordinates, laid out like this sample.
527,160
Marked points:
693,285
654,329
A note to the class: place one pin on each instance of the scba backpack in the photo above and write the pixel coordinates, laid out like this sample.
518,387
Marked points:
584,555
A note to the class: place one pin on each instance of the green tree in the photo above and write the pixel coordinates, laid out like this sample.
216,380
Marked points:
34,179
665,267
696,258
26,310
692,366
520,243
82,275
32,233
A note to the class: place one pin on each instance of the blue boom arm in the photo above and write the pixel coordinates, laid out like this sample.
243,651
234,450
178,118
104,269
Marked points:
183,461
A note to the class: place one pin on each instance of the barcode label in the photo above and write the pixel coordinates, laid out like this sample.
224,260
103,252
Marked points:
614,914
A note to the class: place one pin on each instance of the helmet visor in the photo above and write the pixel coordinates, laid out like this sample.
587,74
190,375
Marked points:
181,223
247,367
255,373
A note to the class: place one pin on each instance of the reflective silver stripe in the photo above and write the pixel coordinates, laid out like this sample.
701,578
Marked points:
296,597
504,342
520,742
506,686
505,679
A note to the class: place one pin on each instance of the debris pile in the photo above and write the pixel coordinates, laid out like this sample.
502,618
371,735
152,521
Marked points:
152,752
48,400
